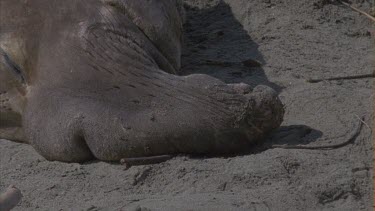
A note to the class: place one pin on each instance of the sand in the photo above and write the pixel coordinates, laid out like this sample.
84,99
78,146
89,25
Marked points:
293,40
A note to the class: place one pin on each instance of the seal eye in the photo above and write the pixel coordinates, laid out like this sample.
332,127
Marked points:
16,70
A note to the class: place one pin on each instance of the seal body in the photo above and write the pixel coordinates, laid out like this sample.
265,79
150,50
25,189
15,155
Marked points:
91,79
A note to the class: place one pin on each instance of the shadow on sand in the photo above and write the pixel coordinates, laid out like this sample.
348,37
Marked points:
213,34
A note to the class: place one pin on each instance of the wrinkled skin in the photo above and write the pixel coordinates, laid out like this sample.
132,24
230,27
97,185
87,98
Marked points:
91,79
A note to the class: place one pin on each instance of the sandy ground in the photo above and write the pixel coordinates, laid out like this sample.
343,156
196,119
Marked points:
294,40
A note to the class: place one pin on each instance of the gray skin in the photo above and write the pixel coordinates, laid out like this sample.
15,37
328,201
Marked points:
91,79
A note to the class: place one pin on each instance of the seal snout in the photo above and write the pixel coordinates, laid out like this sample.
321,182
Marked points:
265,112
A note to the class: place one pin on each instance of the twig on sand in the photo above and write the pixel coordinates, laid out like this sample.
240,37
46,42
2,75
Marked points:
144,160
357,10
10,198
352,137
372,75
363,121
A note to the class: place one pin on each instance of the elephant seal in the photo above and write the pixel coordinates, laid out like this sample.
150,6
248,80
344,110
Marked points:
95,79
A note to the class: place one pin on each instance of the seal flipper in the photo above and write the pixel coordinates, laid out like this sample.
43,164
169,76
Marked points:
12,98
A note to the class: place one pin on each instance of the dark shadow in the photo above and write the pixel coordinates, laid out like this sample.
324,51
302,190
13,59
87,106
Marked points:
214,35
293,135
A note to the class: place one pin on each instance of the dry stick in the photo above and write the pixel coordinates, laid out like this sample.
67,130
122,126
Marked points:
10,198
341,78
363,121
352,137
144,160
358,10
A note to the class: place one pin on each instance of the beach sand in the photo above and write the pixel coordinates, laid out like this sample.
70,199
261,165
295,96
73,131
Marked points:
292,40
